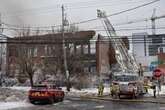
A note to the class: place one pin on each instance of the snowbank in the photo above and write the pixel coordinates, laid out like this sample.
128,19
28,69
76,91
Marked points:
12,105
85,92
20,88
162,92
9,95
94,92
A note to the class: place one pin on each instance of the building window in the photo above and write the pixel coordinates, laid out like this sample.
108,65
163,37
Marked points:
35,52
160,50
93,69
49,49
71,47
32,52
85,49
86,69
46,50
78,49
157,40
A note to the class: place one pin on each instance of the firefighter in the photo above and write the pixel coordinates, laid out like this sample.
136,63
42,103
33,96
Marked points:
114,90
140,70
146,86
159,84
154,83
100,89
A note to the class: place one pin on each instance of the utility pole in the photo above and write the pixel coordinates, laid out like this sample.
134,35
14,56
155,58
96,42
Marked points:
1,29
1,51
64,49
153,22
153,18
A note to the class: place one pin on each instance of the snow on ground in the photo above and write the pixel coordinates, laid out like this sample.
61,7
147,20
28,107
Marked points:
88,91
12,105
10,95
85,92
20,88
162,92
94,92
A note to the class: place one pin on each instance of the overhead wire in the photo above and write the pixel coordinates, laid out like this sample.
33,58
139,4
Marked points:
88,4
50,30
94,19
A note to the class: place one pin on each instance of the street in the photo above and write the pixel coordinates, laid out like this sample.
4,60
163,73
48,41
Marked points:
77,104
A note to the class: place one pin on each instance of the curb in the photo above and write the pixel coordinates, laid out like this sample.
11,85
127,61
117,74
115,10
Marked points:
121,100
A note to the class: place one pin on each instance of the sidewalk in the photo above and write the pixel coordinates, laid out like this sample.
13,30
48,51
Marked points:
159,99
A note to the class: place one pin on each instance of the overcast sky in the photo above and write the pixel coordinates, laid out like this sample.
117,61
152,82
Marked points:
48,12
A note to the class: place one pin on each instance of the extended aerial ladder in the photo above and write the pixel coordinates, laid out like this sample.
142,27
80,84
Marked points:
126,61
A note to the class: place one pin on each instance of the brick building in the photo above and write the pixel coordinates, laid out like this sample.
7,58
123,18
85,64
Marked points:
105,54
49,47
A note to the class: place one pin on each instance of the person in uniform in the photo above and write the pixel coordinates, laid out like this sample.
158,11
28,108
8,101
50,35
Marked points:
100,89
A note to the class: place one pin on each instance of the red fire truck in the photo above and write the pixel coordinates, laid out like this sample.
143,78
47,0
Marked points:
45,93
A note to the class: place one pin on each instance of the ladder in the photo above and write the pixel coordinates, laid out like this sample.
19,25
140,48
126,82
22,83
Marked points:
127,62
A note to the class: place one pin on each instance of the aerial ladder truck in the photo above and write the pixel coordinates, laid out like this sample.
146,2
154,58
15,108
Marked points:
126,61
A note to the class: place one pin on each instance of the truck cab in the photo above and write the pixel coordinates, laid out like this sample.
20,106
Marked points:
127,84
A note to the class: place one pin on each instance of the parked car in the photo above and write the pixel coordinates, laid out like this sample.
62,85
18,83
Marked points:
45,93
127,84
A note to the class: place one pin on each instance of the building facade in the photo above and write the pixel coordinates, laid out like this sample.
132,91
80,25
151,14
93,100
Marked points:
105,54
49,48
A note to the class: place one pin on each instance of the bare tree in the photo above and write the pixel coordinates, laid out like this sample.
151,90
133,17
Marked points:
26,63
25,60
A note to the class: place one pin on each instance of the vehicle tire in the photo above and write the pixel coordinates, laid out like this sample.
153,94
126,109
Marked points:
61,99
119,96
51,100
112,94
134,96
32,101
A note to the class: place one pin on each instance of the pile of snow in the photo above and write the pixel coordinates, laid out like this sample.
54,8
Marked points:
10,95
20,88
94,92
12,105
150,91
86,92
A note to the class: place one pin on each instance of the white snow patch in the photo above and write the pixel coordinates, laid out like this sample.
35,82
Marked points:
150,91
100,106
20,88
12,105
66,101
86,91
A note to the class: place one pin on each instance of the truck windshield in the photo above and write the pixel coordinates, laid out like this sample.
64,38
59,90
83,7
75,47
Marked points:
125,78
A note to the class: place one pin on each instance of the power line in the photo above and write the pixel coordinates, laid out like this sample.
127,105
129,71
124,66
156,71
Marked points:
105,4
71,6
114,14
50,30
94,19
129,29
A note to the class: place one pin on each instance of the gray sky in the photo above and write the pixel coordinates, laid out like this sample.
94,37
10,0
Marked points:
48,12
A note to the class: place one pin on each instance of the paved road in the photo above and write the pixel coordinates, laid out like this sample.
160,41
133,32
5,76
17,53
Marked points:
94,105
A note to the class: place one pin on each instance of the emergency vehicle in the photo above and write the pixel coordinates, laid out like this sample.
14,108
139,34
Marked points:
127,84
45,93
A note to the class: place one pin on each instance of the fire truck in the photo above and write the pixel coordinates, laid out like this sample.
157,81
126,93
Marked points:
45,93
127,62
